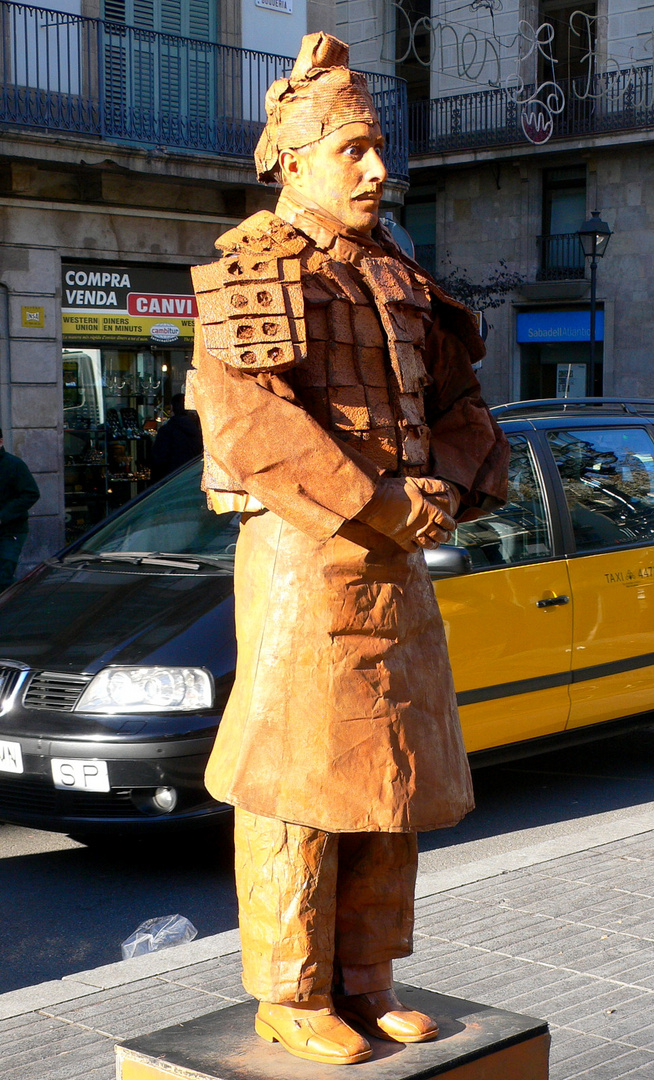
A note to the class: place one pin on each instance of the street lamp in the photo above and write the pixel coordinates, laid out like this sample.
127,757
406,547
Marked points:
594,236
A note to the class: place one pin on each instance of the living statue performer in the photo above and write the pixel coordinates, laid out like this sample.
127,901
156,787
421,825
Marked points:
342,416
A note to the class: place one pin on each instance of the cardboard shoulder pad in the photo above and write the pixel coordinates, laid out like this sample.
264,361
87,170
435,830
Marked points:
251,309
263,233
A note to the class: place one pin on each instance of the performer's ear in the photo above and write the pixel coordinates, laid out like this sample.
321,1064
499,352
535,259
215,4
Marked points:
291,165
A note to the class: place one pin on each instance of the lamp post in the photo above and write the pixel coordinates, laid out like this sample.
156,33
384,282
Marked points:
594,236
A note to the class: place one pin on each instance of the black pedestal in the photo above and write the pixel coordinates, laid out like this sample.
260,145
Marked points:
475,1043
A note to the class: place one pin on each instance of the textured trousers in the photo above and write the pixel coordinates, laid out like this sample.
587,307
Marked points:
311,902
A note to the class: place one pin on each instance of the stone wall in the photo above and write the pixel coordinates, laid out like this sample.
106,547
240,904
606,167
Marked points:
489,212
367,26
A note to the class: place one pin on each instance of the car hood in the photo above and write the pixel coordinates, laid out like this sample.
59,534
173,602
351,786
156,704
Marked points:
70,618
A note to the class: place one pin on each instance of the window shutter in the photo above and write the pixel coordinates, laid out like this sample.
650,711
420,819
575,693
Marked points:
152,81
170,21
114,10
200,21
143,14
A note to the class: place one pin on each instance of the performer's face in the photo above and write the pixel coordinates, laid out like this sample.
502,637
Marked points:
343,173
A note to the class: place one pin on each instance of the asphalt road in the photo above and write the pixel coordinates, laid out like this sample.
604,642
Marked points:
67,908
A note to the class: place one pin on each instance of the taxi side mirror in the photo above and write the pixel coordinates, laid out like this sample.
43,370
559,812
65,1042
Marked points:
447,562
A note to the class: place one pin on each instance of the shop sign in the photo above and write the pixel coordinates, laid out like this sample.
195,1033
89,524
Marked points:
553,326
276,5
108,303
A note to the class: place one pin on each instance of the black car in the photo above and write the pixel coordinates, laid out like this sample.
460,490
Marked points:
116,660
117,655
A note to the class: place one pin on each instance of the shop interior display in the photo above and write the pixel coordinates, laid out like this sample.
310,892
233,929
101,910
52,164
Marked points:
114,403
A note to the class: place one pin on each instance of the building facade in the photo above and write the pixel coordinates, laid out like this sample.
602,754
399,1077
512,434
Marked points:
128,130
524,117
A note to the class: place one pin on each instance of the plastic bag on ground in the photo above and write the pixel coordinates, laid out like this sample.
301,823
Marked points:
160,933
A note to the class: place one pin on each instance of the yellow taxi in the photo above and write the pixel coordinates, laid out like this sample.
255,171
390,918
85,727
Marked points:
551,631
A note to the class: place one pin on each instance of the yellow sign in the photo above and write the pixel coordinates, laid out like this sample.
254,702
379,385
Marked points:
33,317
161,330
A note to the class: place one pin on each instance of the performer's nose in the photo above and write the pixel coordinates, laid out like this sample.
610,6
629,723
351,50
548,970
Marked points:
375,168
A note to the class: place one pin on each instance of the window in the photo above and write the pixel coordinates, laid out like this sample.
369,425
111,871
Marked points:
518,532
413,47
419,218
564,210
573,43
153,79
174,519
608,478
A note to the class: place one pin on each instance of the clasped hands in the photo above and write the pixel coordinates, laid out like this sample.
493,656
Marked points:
415,511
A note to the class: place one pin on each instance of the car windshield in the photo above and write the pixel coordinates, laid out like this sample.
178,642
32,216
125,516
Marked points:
172,520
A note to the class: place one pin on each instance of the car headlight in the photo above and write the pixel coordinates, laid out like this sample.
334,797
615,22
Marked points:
147,689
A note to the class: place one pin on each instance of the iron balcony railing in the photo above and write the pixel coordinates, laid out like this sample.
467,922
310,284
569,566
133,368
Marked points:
612,101
561,257
68,73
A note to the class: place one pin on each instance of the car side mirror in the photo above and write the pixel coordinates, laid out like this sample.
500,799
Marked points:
447,562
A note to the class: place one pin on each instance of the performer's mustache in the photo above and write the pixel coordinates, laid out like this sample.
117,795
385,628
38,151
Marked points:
375,193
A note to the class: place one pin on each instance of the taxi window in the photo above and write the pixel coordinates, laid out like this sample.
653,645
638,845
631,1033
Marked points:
608,478
518,532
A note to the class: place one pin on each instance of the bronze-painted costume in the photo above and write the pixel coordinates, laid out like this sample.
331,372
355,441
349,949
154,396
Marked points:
361,884
334,383
335,621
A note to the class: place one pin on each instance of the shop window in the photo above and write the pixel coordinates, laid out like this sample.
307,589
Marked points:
608,478
115,400
559,370
518,532
555,352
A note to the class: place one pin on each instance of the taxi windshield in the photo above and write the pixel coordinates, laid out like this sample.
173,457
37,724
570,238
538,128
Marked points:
172,520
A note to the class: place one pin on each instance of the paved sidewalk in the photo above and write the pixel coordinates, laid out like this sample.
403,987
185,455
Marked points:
562,930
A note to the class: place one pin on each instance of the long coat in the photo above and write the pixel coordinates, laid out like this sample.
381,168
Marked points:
343,715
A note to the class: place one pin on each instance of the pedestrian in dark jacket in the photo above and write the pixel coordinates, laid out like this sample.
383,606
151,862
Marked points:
18,491
177,441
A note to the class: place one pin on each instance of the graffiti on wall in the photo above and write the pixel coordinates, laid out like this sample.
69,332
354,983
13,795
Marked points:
480,56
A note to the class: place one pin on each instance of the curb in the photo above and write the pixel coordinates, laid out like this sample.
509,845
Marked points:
83,984
605,832
86,983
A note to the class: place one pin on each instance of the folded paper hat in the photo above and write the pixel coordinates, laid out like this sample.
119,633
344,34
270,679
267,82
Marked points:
320,95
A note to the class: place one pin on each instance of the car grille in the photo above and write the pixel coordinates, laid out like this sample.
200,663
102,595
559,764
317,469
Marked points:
55,690
33,796
9,676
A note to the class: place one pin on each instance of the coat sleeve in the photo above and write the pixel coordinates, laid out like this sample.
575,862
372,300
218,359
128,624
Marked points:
24,493
257,432
468,447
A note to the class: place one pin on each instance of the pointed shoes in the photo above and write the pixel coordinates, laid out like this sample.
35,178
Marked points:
311,1030
383,1015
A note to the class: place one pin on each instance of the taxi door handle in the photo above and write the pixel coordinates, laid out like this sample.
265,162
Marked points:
553,601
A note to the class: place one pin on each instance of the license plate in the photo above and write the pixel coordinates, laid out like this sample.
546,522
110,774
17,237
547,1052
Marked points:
11,757
78,774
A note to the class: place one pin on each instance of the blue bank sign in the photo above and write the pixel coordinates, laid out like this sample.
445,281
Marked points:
553,326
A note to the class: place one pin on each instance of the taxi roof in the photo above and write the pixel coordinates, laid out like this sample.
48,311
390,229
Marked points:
576,412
